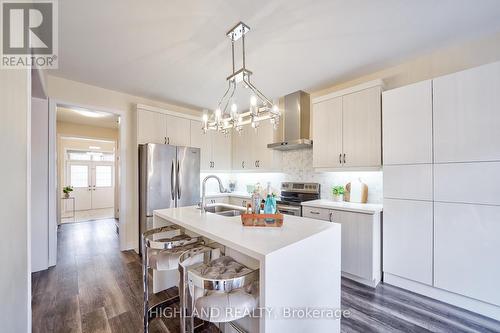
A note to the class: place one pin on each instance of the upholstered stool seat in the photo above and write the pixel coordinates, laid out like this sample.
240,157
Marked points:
221,307
221,290
165,260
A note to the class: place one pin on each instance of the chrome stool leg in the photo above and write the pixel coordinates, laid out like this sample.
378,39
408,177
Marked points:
145,282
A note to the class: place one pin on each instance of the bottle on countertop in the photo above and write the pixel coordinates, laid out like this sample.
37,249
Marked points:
270,205
256,202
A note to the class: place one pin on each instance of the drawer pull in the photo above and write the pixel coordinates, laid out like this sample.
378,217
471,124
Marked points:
312,212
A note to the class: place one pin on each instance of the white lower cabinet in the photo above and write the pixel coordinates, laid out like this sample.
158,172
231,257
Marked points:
238,201
222,199
317,213
407,245
466,253
361,242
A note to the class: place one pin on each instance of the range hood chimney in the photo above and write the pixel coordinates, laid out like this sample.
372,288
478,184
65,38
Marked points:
296,123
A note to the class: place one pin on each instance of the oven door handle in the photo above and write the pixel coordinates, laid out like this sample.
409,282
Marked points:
288,209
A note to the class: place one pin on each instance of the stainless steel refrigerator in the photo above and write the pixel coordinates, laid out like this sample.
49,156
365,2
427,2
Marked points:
169,176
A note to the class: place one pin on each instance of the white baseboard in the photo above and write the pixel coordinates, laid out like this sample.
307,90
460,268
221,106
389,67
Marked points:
482,308
369,283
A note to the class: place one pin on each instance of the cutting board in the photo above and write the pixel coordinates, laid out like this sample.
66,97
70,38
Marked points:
356,191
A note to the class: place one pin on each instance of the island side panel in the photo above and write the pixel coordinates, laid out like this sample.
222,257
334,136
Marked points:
303,275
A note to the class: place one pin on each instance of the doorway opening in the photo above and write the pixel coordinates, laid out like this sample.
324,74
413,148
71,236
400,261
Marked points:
87,168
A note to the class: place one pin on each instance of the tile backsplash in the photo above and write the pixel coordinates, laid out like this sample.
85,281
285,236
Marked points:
297,167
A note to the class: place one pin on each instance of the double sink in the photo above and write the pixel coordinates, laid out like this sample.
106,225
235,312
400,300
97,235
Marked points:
224,209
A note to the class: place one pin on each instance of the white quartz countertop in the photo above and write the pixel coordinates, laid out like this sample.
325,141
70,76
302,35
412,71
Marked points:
255,242
348,206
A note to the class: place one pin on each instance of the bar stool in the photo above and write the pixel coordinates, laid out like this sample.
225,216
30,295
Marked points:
162,254
219,290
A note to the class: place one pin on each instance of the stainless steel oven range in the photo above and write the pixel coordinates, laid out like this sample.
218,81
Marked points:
293,194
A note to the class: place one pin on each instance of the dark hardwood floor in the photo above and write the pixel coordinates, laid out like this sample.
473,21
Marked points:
97,288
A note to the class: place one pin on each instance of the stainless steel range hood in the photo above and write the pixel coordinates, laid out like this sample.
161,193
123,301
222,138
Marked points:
297,117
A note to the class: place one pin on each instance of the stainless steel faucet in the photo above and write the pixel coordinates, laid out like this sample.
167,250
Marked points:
203,190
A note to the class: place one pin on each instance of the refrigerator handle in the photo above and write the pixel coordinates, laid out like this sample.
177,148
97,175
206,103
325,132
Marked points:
178,182
172,187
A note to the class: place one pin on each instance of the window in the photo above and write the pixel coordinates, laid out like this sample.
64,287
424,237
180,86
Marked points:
103,176
78,156
79,175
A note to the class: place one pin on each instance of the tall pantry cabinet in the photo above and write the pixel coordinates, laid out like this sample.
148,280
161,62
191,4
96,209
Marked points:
441,143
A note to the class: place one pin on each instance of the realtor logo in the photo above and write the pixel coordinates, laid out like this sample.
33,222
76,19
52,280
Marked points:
29,34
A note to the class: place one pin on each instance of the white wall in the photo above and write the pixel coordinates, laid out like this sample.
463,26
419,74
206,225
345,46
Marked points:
448,59
39,184
15,277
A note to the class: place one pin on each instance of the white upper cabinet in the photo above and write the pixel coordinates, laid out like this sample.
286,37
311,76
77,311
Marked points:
242,149
327,133
156,127
202,141
151,127
265,158
407,124
221,151
411,182
178,130
215,148
250,152
455,182
362,128
467,115
347,129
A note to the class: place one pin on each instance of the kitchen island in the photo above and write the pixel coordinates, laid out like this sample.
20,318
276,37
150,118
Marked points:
299,266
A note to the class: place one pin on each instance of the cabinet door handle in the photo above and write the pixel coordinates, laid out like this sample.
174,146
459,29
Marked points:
258,163
165,140
344,158
340,158
168,140
243,164
313,212
330,216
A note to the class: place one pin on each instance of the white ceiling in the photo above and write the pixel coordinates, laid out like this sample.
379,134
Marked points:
177,50
69,115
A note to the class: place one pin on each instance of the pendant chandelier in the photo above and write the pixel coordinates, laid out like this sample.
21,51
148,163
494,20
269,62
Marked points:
226,117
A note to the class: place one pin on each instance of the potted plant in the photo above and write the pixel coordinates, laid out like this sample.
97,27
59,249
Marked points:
67,190
338,193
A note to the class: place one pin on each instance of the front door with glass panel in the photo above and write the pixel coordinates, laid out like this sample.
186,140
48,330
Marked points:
92,180
79,177
102,188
